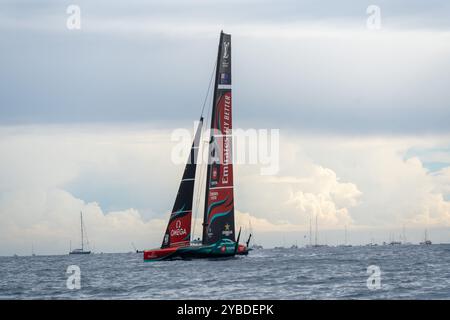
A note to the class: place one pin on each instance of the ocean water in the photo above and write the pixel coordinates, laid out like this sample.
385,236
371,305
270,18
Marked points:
407,272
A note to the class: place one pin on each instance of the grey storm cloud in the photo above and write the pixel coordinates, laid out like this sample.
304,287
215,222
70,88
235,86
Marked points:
299,64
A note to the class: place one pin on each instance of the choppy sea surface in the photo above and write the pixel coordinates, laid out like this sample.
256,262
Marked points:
407,272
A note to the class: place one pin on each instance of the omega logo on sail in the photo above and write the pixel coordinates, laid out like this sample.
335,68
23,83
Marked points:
178,231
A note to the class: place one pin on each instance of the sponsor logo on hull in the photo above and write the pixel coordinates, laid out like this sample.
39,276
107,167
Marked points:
227,232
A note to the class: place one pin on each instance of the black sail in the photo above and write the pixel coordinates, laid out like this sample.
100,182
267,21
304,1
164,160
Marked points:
178,232
218,220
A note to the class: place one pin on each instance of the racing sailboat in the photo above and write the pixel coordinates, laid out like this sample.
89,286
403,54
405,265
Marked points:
218,232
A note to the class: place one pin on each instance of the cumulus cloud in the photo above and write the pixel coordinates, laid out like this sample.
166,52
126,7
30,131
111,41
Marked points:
42,168
124,182
396,186
317,193
50,220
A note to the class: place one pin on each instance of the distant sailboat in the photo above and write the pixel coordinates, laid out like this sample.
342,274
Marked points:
426,241
218,234
310,232
392,241
80,250
256,246
295,246
372,242
404,239
282,247
135,249
316,242
345,239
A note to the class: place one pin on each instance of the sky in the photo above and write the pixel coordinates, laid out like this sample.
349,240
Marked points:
87,118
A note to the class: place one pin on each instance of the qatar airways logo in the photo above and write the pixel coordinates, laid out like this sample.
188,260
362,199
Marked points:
178,231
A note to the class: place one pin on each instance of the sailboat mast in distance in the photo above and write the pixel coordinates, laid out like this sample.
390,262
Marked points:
218,219
310,230
345,240
82,237
315,240
426,241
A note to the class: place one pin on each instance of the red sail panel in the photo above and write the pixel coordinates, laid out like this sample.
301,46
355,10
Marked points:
179,230
219,199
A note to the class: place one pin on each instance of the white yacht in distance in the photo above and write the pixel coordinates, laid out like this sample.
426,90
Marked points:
81,250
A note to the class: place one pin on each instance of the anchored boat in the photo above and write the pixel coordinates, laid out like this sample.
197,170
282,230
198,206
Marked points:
426,241
82,249
218,234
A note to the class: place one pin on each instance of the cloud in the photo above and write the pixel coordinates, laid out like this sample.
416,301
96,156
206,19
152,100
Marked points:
125,183
406,14
49,220
395,189
325,72
95,163
363,115
319,193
